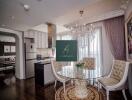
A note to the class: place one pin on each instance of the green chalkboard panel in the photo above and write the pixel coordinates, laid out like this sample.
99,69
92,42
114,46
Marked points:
66,50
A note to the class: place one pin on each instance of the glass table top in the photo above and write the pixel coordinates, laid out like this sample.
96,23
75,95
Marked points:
78,73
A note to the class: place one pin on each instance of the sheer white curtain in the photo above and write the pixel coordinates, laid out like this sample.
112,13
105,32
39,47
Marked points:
89,45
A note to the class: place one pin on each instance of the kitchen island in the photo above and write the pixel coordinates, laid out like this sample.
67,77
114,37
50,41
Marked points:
43,73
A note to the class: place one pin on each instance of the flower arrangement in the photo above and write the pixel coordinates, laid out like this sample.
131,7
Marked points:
80,64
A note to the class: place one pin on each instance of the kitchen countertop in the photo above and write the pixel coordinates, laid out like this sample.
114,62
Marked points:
46,60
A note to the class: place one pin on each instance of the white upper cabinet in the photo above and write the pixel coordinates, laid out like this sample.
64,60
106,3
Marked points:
31,34
40,38
26,34
44,40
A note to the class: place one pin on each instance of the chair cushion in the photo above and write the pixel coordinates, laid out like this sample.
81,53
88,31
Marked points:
118,70
89,63
108,81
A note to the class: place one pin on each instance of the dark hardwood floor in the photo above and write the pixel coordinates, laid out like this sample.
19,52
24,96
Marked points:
26,90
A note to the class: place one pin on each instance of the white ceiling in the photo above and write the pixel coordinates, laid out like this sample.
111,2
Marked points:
58,12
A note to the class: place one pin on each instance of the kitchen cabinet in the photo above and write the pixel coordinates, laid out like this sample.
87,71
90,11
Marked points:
43,74
29,34
26,34
36,39
44,40
1,48
41,38
30,68
130,79
48,74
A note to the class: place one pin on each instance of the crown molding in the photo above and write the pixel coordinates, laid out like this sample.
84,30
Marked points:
104,16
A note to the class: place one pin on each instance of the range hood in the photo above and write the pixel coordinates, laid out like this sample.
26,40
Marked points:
51,35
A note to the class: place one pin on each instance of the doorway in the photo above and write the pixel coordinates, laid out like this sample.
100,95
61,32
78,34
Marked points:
19,51
7,55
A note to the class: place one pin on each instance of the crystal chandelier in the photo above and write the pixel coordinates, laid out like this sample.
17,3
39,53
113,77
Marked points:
79,28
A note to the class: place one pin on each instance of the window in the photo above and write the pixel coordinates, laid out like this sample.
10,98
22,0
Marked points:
64,37
90,46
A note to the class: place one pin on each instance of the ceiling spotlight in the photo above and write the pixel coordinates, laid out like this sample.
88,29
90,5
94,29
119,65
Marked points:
26,7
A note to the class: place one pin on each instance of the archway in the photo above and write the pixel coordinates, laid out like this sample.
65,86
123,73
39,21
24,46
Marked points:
20,62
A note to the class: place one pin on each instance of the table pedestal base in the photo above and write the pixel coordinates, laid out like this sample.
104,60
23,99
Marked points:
81,89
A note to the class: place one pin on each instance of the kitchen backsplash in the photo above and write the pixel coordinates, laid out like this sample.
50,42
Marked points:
45,52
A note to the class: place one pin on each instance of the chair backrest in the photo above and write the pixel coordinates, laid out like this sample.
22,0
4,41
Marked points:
56,66
89,63
119,70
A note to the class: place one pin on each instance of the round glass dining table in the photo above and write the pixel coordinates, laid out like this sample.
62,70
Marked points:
80,75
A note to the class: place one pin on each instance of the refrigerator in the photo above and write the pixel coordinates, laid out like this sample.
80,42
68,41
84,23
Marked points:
30,57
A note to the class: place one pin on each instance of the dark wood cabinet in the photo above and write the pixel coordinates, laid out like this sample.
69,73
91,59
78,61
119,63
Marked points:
1,49
43,74
39,74
130,79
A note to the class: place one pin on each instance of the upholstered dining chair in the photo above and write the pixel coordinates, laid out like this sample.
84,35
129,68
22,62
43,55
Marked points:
89,63
55,67
117,78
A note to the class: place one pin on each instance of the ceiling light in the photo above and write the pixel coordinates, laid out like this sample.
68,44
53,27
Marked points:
78,27
26,7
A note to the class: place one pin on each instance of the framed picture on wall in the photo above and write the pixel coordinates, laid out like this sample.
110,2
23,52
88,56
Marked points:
66,50
128,36
13,49
6,49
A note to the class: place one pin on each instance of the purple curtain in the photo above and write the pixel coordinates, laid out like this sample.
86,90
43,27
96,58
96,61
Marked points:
115,33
